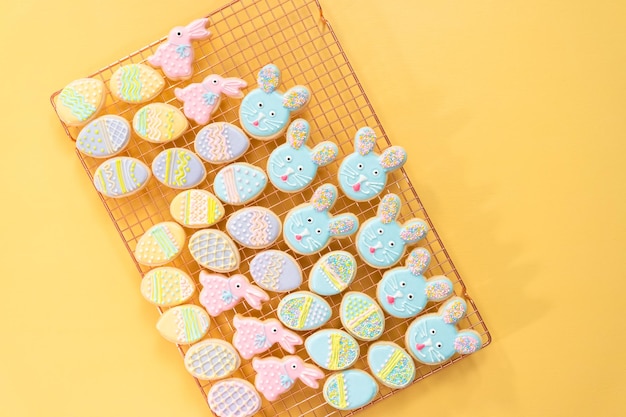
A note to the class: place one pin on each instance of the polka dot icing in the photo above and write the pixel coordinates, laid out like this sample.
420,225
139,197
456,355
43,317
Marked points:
239,183
211,359
332,349
221,142
184,324
391,364
254,227
276,271
332,273
178,168
234,397
160,244
196,209
104,137
361,316
303,310
167,286
121,176
136,83
80,101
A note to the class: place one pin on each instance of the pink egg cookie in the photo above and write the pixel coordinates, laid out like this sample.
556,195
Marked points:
275,376
221,294
253,336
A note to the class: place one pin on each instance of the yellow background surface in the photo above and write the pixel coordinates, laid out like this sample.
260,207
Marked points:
513,113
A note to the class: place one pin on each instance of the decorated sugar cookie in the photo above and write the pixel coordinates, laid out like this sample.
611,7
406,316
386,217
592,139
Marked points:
167,286
275,376
363,174
265,111
175,56
159,123
220,293
80,101
196,209
253,336
404,291
239,183
309,227
361,316
184,324
434,338
332,349
332,273
221,142
214,250
136,83
178,168
202,99
292,166
303,310
391,365
161,244
351,389
254,227
234,397
381,240
212,359
104,137
275,270
121,176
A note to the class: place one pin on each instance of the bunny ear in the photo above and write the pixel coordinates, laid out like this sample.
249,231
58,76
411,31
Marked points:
413,230
197,30
310,375
298,133
324,153
232,87
454,310
392,158
467,341
269,78
255,296
343,225
389,208
296,98
324,197
364,140
418,261
438,288
289,340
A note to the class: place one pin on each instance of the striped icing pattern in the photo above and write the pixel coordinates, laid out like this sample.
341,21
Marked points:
165,240
178,168
239,183
184,324
120,176
167,286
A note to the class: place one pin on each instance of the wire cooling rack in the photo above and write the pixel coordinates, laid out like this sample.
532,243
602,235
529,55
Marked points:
294,35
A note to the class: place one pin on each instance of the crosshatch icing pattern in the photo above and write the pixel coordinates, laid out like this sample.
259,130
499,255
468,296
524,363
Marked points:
293,35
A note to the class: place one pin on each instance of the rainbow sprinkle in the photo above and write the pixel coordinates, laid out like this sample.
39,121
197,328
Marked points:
296,97
466,345
364,140
269,78
393,157
324,197
389,208
325,153
418,261
414,232
437,291
342,265
298,133
454,311
341,227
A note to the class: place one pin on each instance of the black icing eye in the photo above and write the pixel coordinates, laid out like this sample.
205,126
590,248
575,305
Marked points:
237,285
260,104
214,81
392,244
274,330
272,113
309,220
438,345
179,34
410,296
380,231
359,166
300,168
375,172
432,331
403,284
318,231
288,158
294,366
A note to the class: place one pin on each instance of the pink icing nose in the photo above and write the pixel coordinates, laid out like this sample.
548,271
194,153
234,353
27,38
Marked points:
256,123
390,299
420,346
372,249
284,177
357,186
298,237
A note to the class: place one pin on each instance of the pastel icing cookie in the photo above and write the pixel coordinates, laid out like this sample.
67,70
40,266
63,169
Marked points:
167,286
178,168
275,376
292,166
220,293
212,359
382,240
254,227
265,111
434,338
184,324
309,227
201,100
136,83
175,56
351,389
80,101
213,249
121,176
253,336
404,291
234,397
391,365
363,174
159,123
303,310
161,244
221,142
239,183
332,273
276,271
104,137
196,209
332,349
361,316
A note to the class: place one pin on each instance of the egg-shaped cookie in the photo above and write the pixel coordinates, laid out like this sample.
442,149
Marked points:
221,142
136,83
332,273
121,176
239,183
275,270
160,244
159,123
184,324
214,250
303,310
254,227
104,137
361,316
80,101
212,359
391,364
351,389
332,349
196,209
178,168
167,286
234,397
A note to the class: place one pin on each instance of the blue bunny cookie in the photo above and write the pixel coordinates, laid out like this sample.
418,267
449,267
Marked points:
293,166
434,338
309,227
381,241
404,291
363,173
265,111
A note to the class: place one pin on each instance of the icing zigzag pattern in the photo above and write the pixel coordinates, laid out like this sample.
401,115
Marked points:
216,142
77,104
181,169
272,272
258,229
153,125
109,179
130,83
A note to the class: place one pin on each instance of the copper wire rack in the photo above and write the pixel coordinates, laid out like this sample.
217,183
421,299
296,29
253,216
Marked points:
295,36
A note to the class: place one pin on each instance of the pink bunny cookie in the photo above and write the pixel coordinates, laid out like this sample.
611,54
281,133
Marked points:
175,56
201,100
253,336
220,293
275,376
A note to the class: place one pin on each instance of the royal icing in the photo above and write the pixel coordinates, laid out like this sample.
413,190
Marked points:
253,336
435,338
390,364
214,250
275,376
175,56
196,209
136,83
201,100
80,101
332,349
254,227
184,324
178,168
303,310
220,293
239,183
309,227
104,137
265,111
351,389
121,176
292,166
167,287
234,397
381,241
211,359
361,316
161,244
332,273
159,123
277,271
363,174
221,142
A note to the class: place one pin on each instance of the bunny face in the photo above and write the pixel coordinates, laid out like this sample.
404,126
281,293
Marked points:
363,174
265,111
434,338
309,227
293,166
182,35
382,240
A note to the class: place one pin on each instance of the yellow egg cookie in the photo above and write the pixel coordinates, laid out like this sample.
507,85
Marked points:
80,101
167,286
136,83
159,123
184,324
161,244
196,209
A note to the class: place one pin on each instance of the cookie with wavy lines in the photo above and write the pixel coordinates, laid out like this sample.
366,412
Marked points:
136,83
159,123
80,101
121,176
178,168
221,142
254,227
275,270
